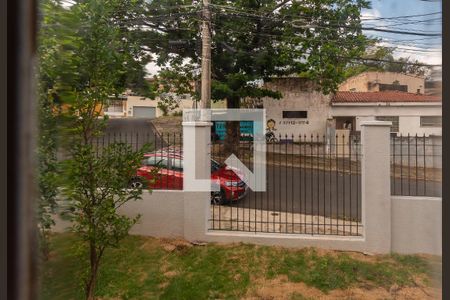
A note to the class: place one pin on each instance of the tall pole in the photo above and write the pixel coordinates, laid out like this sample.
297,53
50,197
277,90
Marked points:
205,102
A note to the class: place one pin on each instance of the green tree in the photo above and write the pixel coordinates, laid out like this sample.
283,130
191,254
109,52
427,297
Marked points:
381,58
91,57
258,39
167,103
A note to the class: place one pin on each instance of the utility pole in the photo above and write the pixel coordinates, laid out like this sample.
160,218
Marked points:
205,102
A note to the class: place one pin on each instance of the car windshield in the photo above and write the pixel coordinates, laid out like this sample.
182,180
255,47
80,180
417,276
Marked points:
214,165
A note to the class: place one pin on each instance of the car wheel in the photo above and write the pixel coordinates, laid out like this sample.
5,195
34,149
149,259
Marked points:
218,198
136,183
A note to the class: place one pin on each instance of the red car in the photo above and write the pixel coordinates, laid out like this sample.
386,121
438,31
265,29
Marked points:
163,169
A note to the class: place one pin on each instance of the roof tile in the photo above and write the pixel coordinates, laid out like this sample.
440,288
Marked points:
385,96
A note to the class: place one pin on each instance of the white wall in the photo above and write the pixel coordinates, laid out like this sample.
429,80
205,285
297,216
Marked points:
142,101
417,225
139,101
162,214
409,115
411,125
298,95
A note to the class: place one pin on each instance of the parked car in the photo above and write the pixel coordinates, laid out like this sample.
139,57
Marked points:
163,169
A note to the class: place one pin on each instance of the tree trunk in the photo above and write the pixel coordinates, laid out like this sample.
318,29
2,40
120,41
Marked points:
92,280
233,129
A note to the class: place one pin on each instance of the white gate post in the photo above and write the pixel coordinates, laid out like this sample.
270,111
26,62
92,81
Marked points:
376,185
196,135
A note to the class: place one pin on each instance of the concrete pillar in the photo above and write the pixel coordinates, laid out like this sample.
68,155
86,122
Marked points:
376,185
197,165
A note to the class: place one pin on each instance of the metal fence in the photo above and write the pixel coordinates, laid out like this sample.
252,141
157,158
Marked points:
313,187
160,146
416,165
313,183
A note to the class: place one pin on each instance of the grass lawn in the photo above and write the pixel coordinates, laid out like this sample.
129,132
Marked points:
150,268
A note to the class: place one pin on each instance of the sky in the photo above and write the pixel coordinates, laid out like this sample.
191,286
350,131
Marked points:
425,49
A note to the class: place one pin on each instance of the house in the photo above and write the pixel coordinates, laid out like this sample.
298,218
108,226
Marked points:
409,113
372,81
388,96
134,106
65,107
395,97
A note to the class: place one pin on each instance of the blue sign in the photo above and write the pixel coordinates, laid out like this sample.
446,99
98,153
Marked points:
246,129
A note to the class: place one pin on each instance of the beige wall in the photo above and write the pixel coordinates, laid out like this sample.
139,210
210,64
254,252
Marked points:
359,82
142,101
298,95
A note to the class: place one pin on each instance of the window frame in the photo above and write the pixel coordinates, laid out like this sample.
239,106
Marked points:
395,124
430,125
383,87
287,112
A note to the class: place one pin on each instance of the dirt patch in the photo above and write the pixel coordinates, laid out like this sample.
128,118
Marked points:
171,274
163,285
150,245
281,288
365,257
143,276
170,245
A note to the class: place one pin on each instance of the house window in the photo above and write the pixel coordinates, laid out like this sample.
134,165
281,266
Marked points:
393,119
114,106
295,114
393,87
430,121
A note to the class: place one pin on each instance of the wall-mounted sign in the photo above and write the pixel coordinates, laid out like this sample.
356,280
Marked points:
293,122
246,129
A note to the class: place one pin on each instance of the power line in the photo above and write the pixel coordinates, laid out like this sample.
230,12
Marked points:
341,26
377,18
281,36
400,32
370,59
409,22
410,16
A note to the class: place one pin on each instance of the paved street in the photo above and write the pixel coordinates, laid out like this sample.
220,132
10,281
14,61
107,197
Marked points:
299,190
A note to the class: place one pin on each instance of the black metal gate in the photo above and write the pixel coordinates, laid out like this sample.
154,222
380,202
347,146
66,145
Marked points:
313,187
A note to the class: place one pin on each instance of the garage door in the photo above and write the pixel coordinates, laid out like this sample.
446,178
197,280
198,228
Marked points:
144,112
